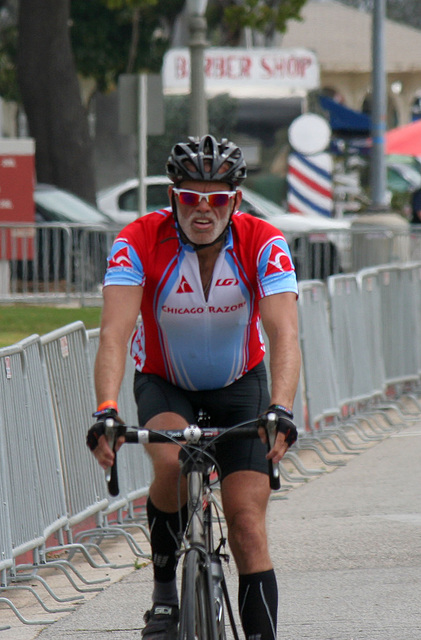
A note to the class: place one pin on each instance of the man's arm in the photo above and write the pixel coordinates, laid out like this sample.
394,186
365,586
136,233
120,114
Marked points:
119,315
280,322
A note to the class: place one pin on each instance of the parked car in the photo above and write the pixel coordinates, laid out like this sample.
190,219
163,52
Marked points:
402,178
58,205
120,201
70,242
320,245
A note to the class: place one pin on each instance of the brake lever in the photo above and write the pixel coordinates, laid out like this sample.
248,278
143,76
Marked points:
111,475
274,476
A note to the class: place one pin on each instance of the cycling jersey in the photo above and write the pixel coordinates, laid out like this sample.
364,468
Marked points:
192,342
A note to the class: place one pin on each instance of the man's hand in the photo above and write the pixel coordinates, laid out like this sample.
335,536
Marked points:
105,439
286,431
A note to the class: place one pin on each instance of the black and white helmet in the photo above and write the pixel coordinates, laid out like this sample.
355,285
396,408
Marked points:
204,159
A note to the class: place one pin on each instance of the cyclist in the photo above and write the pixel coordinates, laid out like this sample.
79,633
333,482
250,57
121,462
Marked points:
203,275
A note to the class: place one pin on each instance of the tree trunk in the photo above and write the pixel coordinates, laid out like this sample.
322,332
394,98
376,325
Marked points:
51,97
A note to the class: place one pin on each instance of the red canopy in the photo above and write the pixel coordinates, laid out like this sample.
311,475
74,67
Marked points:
405,140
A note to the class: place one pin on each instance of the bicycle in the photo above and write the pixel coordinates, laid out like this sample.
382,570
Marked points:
204,596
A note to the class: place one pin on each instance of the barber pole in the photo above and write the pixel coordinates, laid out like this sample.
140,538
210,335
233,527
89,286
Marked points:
310,184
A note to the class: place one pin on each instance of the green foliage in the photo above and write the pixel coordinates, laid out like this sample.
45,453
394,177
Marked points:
222,114
261,15
8,52
401,203
131,4
110,37
227,18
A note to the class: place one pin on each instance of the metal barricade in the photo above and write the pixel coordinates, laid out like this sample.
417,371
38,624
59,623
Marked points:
417,296
91,253
6,547
350,343
299,409
370,303
53,511
49,262
317,255
399,324
6,553
123,467
71,382
320,375
135,467
415,235
8,518
18,439
39,261
71,385
21,525
410,287
379,239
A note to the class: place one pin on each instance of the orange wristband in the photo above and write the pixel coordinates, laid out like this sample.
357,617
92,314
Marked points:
108,404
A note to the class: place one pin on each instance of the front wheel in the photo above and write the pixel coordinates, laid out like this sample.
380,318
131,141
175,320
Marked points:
197,610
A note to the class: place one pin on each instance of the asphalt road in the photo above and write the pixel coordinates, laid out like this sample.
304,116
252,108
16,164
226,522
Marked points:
346,548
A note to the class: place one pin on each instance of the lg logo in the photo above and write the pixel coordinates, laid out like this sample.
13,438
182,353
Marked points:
227,282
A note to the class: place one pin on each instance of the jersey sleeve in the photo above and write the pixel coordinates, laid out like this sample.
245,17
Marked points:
124,265
275,268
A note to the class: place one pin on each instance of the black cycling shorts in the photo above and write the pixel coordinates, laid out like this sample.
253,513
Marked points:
242,400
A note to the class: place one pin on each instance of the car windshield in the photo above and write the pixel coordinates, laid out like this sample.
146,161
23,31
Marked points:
56,205
410,174
157,198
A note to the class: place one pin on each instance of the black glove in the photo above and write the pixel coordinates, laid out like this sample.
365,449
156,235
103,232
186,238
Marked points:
98,429
284,423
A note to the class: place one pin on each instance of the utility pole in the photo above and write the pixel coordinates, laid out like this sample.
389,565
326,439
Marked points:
197,43
378,109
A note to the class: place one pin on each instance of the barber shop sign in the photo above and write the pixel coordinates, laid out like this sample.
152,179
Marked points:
231,69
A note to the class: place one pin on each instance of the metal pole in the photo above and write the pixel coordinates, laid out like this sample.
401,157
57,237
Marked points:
142,139
378,164
198,105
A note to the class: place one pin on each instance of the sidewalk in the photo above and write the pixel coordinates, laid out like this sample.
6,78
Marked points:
346,547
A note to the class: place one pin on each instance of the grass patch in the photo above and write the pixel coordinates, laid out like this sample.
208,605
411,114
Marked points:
20,321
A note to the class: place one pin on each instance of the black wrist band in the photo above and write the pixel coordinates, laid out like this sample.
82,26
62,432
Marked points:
282,408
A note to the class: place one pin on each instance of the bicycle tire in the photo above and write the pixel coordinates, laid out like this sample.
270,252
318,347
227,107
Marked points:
197,609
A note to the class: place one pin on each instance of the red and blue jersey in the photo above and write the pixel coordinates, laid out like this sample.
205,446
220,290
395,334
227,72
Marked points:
192,342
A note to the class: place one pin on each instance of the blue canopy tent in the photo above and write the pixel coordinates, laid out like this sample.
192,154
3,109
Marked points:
346,122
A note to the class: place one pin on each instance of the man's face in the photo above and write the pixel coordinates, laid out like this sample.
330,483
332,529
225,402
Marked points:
205,221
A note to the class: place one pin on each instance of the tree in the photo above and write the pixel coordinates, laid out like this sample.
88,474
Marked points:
222,118
100,39
110,37
8,51
266,17
51,97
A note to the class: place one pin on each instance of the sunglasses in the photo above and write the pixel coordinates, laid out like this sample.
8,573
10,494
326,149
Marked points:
214,198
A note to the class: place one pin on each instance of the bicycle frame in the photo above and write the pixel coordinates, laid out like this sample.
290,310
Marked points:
203,588
202,603
203,594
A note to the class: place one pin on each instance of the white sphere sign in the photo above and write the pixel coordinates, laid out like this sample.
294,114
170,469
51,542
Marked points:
309,134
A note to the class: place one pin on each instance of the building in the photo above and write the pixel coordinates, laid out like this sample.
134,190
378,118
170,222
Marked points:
341,37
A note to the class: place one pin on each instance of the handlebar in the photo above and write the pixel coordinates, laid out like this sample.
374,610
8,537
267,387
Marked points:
195,435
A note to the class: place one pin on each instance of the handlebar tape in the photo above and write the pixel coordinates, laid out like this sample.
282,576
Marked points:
111,474
113,488
274,480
